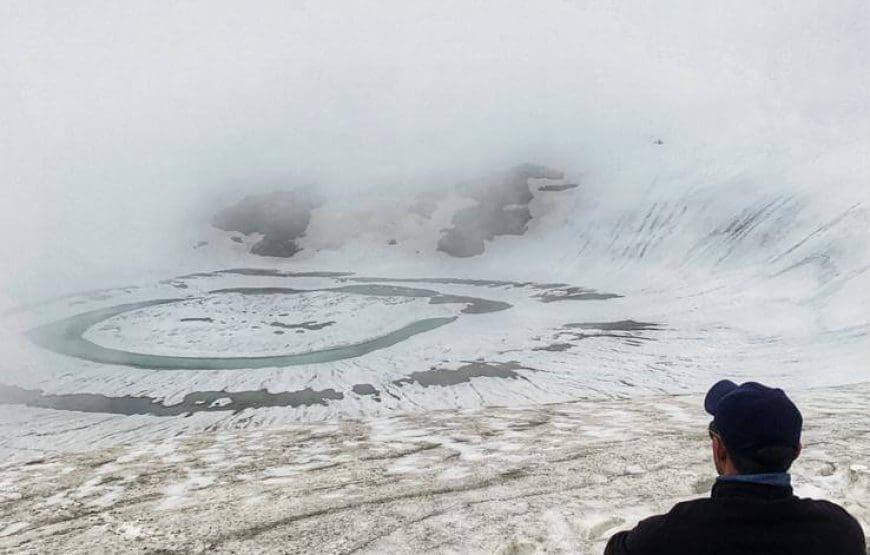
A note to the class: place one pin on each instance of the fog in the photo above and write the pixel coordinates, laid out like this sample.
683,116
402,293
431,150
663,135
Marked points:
122,126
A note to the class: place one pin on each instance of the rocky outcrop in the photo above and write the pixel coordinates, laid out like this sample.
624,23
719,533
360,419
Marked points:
501,209
276,246
280,216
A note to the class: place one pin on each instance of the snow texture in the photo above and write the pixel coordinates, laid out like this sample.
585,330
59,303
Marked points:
556,478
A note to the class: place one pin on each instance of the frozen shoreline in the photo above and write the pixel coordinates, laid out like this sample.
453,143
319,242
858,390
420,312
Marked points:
553,478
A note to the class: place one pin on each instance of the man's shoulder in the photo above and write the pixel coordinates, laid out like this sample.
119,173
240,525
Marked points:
689,508
824,519
823,509
657,534
820,508
724,522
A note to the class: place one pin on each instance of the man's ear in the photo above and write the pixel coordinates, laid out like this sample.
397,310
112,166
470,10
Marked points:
719,450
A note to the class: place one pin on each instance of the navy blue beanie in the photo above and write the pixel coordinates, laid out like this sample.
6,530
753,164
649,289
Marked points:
750,416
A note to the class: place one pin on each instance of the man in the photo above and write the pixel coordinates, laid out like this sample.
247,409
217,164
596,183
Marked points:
756,434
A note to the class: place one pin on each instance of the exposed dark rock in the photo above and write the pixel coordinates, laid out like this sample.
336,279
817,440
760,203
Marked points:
501,209
364,389
200,244
206,319
368,390
277,247
461,243
392,242
237,239
280,216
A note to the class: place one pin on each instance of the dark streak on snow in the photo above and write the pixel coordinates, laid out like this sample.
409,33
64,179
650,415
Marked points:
265,272
477,369
311,325
197,401
557,188
574,294
555,347
620,325
461,281
604,329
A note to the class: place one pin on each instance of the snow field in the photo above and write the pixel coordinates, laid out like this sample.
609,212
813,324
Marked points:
556,478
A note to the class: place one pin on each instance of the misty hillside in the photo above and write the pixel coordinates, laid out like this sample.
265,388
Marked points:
780,236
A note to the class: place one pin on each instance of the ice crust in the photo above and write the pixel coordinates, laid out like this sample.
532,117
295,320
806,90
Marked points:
260,325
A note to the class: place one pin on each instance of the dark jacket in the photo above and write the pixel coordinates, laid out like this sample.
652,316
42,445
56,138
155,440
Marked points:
746,519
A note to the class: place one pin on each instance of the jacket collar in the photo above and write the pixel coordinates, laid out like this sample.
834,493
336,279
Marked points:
749,490
781,479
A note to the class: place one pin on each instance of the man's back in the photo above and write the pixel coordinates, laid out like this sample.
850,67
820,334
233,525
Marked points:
745,518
